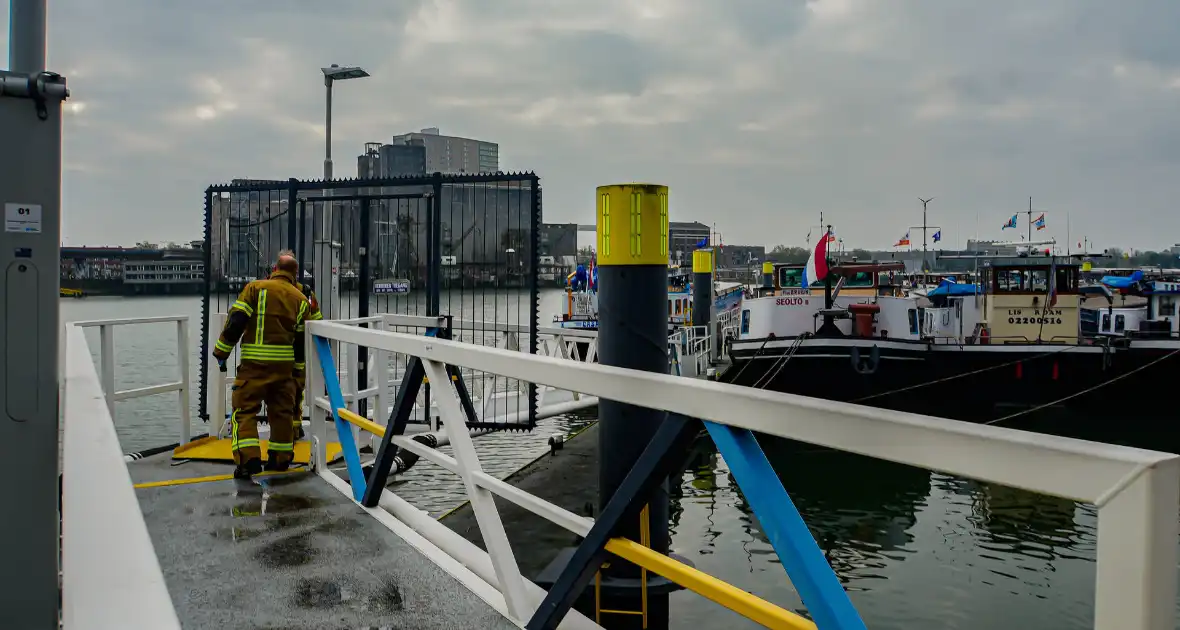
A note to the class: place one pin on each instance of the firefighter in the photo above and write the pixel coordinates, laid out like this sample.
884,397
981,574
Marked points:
268,318
313,314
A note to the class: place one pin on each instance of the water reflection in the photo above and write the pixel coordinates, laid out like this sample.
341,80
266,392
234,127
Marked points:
914,549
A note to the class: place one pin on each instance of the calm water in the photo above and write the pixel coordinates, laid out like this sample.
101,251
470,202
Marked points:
917,550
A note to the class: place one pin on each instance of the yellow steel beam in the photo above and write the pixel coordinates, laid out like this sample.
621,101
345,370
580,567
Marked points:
745,604
364,423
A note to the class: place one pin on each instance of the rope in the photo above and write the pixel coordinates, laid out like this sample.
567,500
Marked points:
756,354
780,364
955,376
1084,391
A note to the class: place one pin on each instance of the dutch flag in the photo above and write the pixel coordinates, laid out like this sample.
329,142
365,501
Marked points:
817,265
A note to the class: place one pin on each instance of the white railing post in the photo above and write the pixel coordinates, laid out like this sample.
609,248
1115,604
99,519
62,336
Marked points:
106,352
314,384
380,377
491,528
182,357
216,381
1136,552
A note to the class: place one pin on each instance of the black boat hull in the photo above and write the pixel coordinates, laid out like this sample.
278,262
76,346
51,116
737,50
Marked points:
974,383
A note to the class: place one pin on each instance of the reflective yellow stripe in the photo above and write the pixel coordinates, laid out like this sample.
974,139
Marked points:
260,322
233,435
242,306
299,365
269,349
281,446
302,310
247,443
222,346
271,353
316,316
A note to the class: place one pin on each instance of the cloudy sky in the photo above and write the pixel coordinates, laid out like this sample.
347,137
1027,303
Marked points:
758,114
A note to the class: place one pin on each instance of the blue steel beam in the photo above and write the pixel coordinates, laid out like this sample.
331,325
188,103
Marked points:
664,453
352,457
804,561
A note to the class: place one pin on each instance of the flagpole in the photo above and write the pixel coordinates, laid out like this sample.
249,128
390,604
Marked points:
1030,220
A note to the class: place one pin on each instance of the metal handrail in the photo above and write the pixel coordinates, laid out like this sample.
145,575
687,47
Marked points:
104,527
1137,492
106,356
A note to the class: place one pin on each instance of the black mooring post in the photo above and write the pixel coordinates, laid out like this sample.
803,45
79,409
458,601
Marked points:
632,333
702,287
664,455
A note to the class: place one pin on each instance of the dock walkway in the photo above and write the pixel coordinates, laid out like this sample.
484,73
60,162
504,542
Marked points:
290,551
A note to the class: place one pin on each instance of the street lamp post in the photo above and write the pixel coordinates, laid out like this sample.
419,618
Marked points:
332,74
327,251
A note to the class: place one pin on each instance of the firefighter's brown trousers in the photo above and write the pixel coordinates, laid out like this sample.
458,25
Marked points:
256,383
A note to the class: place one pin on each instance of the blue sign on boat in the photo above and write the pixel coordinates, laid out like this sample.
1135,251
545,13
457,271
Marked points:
391,286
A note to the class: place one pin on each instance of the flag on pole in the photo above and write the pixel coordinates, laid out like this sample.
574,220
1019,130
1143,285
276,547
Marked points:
938,236
903,241
1010,224
1039,223
817,265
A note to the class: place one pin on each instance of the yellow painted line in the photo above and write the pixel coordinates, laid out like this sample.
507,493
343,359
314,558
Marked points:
741,602
368,425
189,480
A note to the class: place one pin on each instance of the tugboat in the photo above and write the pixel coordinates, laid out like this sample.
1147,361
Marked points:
1013,342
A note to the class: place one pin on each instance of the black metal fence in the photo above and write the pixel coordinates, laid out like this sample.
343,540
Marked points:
463,246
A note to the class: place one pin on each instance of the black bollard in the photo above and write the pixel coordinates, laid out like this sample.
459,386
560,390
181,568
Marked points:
702,287
632,333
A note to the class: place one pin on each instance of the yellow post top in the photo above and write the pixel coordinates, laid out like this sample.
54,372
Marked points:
702,261
767,267
633,224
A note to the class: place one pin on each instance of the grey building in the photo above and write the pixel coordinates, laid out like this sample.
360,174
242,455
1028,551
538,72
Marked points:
683,237
391,160
451,154
740,256
559,239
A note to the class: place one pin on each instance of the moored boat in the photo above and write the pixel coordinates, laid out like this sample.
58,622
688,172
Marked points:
1011,345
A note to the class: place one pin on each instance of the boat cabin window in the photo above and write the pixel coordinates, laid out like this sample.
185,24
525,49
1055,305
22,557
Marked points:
1033,279
858,279
746,322
1166,306
913,314
789,278
1067,280
1106,322
1120,323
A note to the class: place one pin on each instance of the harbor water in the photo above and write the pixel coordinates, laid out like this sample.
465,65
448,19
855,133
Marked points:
916,550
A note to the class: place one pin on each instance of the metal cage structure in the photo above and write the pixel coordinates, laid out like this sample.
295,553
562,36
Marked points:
454,247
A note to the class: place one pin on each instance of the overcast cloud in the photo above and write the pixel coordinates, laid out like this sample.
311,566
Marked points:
757,113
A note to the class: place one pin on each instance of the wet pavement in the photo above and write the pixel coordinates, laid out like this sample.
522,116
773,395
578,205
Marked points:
291,551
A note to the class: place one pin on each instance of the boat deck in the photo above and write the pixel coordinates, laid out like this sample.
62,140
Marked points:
290,551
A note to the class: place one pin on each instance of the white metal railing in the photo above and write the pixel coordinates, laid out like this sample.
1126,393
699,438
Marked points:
1137,492
111,576
495,397
689,349
106,357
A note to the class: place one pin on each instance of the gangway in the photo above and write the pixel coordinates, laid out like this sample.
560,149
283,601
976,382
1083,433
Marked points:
188,542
